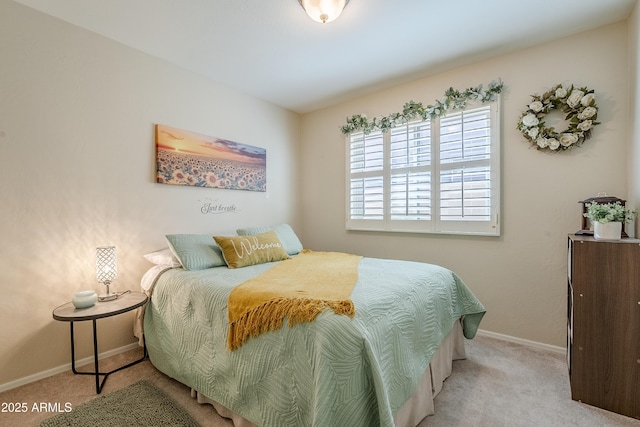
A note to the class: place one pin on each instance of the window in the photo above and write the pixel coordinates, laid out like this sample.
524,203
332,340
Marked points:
437,176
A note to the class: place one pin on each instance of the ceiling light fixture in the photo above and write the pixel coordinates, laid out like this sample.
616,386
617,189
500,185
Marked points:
323,11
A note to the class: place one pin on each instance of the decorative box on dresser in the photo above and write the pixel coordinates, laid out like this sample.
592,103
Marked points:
603,334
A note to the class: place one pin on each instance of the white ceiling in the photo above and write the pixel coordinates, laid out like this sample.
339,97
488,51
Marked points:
271,50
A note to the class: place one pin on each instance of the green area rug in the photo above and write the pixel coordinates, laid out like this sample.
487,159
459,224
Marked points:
140,404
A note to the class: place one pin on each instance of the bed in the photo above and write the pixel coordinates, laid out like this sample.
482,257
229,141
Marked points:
382,366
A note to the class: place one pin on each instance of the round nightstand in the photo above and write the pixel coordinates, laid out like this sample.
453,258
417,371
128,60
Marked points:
69,313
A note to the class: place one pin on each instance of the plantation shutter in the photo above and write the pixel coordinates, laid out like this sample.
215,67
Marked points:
366,188
436,176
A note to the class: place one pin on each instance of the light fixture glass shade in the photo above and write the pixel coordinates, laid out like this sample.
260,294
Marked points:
106,269
323,11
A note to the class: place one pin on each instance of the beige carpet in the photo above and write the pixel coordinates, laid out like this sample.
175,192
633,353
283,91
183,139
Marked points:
506,384
500,384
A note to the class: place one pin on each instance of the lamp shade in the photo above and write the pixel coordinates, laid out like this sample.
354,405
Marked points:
323,10
106,264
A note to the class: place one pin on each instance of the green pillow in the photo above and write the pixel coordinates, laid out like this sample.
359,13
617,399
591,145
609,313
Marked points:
285,233
195,251
241,251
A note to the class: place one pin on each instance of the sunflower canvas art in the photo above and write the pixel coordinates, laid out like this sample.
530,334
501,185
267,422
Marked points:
188,158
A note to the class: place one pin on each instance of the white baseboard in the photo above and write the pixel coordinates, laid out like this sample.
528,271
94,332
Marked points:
41,375
553,348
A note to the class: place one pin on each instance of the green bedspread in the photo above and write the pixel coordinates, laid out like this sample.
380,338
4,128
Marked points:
335,371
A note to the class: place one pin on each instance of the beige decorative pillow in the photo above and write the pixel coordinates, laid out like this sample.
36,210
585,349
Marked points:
242,251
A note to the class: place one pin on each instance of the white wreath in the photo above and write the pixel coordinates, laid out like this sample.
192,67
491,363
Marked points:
578,104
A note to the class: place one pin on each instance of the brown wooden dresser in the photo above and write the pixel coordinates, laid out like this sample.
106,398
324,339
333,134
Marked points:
603,339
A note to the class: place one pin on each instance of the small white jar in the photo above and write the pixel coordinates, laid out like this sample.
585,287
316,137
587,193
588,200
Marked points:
84,299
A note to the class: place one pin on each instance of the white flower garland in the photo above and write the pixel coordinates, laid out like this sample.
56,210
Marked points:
453,100
578,104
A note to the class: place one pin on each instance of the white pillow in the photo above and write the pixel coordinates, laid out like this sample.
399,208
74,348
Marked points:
163,257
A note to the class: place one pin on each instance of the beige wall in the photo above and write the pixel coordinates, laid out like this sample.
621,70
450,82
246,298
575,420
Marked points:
520,276
77,159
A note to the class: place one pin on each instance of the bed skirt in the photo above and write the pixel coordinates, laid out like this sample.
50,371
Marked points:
418,407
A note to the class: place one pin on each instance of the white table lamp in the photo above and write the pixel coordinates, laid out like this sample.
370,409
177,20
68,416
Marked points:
106,269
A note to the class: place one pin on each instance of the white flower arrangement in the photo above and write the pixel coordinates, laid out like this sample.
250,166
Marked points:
578,104
453,100
608,212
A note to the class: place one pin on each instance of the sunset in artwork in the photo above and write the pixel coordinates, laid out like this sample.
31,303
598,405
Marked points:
188,158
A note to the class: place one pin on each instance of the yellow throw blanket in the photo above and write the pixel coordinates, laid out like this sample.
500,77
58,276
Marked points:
298,288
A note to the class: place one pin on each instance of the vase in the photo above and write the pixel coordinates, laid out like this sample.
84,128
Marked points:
85,299
607,230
